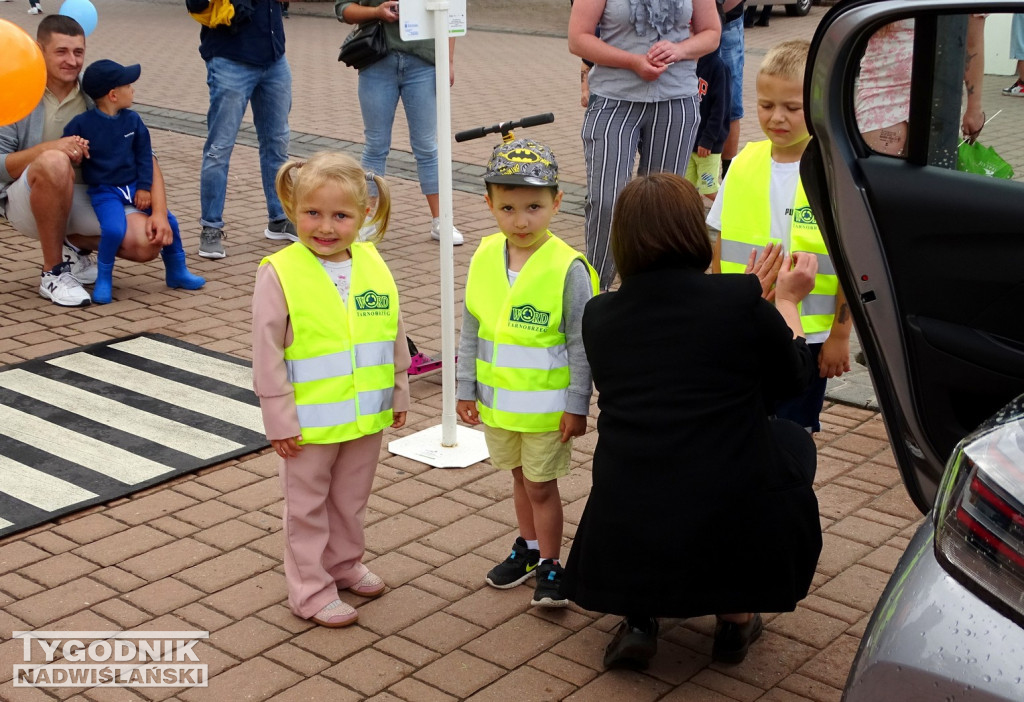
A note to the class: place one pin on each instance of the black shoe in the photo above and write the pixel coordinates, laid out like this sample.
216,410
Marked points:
634,644
733,640
517,568
547,593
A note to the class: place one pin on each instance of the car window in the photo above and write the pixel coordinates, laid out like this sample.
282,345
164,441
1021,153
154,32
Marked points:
976,127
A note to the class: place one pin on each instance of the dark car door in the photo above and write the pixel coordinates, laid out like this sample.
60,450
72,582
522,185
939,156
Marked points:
931,257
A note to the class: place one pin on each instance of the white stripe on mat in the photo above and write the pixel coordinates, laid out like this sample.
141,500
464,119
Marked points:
37,488
72,446
200,364
170,391
146,425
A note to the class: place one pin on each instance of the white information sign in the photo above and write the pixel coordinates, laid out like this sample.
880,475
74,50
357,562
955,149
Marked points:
415,20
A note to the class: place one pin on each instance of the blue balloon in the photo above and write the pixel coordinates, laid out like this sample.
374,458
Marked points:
82,11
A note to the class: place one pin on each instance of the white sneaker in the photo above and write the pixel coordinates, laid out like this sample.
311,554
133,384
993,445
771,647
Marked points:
367,232
35,10
435,232
83,267
62,288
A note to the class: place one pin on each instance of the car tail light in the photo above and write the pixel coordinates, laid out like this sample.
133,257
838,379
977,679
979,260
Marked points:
979,515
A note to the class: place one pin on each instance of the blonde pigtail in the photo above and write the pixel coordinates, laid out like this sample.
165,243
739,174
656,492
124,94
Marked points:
284,183
382,217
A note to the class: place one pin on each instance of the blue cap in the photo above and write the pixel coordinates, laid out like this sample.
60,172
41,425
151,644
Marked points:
104,75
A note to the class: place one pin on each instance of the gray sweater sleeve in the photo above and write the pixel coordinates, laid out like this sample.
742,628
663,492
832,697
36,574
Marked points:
578,290
574,298
465,374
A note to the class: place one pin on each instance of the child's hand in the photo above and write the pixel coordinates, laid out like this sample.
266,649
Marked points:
572,425
466,409
143,199
399,420
287,448
703,151
834,358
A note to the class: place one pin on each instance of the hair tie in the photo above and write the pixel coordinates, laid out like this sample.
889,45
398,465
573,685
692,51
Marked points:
370,175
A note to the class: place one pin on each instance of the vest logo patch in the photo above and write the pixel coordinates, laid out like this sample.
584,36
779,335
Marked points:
803,215
372,303
528,317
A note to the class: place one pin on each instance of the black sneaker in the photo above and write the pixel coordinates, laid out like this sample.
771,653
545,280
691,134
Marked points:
633,645
517,568
549,583
733,640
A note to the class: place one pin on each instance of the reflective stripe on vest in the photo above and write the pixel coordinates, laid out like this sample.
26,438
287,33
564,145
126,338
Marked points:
747,226
341,360
522,363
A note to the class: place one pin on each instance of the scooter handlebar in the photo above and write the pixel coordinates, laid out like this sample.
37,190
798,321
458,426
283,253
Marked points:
504,127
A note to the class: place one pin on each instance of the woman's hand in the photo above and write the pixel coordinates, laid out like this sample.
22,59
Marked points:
766,268
388,11
664,53
287,448
796,277
643,67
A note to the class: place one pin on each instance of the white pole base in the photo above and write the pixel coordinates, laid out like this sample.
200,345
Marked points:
425,446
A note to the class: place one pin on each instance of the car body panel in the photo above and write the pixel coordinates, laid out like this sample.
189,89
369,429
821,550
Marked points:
932,636
934,283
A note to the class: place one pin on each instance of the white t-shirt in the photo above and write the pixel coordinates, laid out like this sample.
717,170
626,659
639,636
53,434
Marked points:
341,275
781,195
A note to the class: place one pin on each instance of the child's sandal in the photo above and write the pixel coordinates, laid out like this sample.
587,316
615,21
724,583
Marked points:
336,615
369,585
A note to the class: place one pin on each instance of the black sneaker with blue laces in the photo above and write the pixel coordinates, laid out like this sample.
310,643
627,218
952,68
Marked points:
547,592
517,568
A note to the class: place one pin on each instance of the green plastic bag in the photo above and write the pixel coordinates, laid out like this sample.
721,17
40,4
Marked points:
977,158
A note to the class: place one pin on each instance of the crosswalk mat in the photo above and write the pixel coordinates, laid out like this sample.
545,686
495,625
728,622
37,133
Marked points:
92,424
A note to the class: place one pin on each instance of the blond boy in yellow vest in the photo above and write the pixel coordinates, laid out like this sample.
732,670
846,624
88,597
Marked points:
765,207
522,370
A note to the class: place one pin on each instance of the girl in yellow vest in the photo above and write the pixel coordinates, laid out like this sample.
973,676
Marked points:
329,368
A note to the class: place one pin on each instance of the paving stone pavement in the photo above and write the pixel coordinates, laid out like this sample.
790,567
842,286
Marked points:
204,551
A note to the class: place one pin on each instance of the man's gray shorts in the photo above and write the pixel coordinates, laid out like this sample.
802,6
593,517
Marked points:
81,219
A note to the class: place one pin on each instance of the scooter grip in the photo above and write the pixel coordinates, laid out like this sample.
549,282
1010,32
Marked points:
534,120
468,134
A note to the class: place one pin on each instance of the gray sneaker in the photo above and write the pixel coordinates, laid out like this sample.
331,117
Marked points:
210,244
281,230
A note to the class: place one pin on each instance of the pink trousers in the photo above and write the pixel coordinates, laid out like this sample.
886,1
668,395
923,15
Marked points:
325,492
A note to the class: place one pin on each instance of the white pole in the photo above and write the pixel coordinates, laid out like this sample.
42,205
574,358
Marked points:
442,78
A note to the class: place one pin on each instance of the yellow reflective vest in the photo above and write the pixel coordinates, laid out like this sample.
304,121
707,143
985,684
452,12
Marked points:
341,362
522,364
746,225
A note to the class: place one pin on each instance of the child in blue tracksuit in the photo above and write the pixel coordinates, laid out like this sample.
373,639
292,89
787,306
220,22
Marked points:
119,171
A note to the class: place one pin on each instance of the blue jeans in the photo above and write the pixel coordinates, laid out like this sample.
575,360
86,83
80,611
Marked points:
731,50
234,85
400,75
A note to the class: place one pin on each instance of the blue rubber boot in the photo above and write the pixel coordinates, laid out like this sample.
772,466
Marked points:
103,291
178,275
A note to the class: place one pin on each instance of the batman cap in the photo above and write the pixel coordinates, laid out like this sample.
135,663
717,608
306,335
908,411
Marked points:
522,162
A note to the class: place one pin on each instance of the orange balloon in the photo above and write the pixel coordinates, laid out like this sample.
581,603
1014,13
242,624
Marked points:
22,73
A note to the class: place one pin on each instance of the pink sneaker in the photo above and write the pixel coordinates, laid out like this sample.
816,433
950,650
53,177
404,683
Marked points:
335,615
369,585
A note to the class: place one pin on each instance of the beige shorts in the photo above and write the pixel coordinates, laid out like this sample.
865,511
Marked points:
542,455
703,172
81,219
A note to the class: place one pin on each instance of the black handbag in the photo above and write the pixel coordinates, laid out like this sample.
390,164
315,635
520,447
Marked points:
365,46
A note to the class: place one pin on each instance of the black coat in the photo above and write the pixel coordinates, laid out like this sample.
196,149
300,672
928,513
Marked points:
696,508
